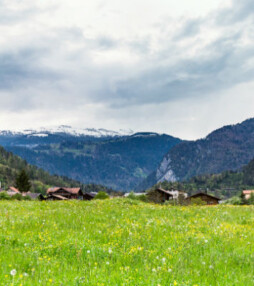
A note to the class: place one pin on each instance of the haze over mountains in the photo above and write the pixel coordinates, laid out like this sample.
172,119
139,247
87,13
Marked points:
124,161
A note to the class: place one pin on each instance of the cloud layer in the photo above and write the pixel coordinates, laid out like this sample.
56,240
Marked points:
118,65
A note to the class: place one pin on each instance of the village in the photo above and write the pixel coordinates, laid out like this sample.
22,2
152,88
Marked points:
158,195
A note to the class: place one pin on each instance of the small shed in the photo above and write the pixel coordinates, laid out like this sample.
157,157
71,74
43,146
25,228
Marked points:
88,196
208,199
35,196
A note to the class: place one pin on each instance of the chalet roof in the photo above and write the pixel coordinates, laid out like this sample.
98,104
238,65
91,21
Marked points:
58,197
13,189
204,194
73,191
164,191
247,192
89,195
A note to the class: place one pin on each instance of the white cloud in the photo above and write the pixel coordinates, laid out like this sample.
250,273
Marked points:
144,65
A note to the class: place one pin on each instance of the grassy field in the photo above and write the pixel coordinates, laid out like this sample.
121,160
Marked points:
123,242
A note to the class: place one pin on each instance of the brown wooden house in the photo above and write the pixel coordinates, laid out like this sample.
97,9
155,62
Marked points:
208,199
159,195
68,193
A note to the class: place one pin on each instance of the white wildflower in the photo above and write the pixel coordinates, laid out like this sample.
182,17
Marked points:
13,272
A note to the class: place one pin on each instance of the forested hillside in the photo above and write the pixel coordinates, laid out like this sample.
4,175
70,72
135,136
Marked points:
223,185
117,162
10,165
228,148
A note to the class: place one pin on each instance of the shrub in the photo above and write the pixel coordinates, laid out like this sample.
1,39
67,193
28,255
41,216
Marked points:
102,196
17,197
143,198
27,198
4,196
132,196
234,201
197,202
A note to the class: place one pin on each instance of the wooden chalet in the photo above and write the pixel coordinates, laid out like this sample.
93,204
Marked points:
59,193
160,195
208,199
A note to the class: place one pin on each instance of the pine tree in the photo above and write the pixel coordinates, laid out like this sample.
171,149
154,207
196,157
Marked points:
22,182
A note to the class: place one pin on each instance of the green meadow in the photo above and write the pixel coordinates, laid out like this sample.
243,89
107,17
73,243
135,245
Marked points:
123,242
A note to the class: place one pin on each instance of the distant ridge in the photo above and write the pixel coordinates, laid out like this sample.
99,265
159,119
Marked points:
227,148
68,130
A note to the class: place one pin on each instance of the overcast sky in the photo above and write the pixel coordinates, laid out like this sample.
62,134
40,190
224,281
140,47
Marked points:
181,67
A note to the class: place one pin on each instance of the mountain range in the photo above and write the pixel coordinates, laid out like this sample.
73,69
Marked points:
119,160
125,160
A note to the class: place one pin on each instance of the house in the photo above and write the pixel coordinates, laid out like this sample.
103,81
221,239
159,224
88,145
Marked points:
160,195
208,199
247,194
68,193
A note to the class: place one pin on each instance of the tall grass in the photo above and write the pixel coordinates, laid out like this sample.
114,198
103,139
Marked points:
124,242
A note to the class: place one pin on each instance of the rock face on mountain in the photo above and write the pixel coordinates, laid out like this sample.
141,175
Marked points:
228,148
113,159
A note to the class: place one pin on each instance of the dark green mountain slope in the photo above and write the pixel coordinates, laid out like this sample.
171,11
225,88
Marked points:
120,163
228,148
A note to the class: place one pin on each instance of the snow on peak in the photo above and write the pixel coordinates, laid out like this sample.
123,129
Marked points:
65,129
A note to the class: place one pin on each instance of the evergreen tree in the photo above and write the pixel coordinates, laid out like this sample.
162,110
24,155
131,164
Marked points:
22,182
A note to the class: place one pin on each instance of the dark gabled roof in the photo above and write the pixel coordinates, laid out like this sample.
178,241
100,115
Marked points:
34,195
89,195
204,194
164,191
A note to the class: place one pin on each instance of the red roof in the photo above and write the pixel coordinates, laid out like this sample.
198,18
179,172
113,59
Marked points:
247,192
13,189
69,190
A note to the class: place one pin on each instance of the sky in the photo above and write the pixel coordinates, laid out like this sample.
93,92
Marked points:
181,67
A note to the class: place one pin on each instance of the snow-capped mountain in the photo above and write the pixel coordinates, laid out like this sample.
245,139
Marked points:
67,130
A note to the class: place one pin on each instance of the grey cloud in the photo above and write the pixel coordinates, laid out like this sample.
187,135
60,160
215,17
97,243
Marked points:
190,28
240,11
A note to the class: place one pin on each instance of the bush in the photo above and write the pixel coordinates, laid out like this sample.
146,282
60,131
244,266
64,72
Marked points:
4,196
197,202
27,198
234,201
101,196
132,196
143,198
17,197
